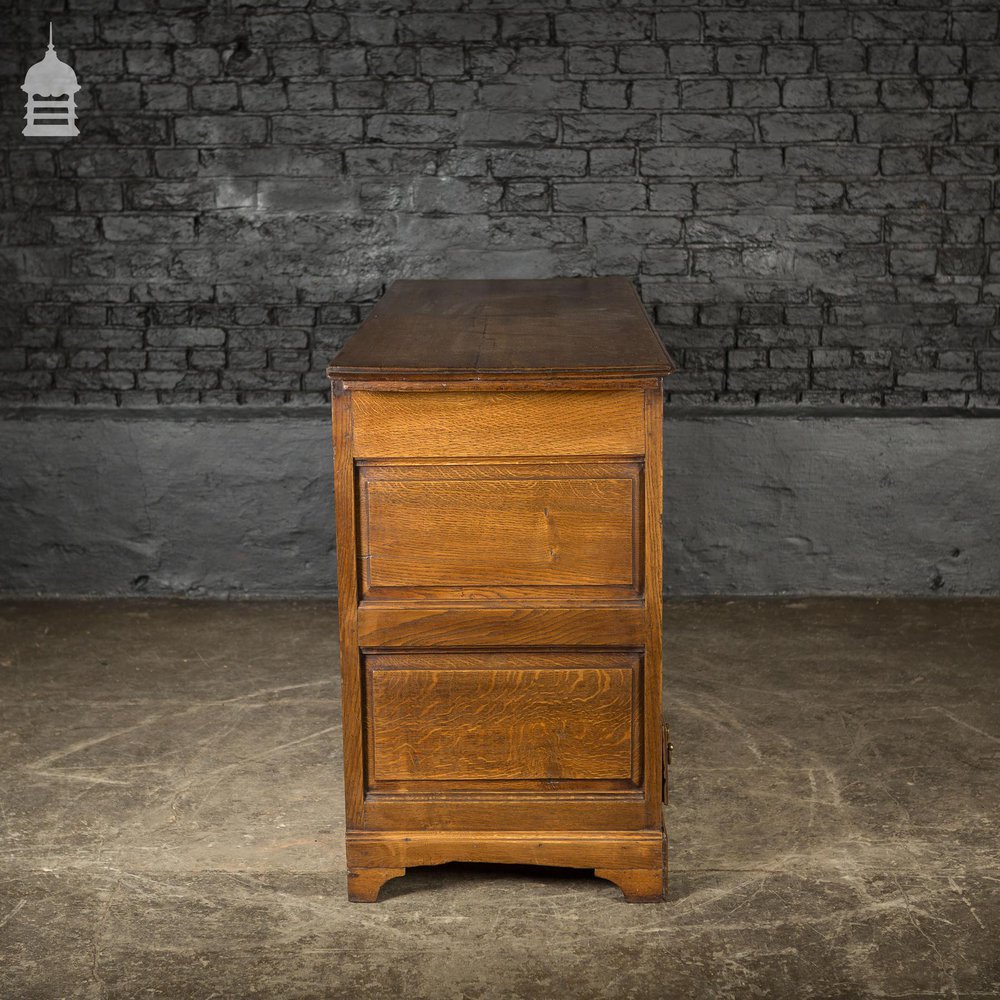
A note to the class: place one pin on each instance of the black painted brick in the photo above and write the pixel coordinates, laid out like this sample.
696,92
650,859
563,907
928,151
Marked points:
805,198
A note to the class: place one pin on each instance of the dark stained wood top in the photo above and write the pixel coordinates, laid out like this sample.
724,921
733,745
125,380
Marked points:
526,327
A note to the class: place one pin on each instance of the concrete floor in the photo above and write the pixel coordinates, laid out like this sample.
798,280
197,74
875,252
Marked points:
171,819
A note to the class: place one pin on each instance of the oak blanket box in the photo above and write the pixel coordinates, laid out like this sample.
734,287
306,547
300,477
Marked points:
498,492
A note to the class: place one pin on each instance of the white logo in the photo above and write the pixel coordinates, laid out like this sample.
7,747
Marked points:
50,86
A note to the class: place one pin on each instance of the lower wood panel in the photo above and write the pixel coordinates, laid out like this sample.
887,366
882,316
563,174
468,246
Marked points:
502,717
467,724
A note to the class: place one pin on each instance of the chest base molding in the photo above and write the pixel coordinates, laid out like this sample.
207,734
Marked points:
635,860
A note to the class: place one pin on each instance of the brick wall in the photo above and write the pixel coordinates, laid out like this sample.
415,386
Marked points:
803,191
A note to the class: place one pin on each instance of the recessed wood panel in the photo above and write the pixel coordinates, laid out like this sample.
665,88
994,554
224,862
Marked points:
450,424
469,530
501,717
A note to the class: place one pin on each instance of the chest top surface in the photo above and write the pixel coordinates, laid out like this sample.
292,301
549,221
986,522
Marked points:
466,328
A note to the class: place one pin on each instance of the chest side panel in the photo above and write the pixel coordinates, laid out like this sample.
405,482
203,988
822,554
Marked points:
504,654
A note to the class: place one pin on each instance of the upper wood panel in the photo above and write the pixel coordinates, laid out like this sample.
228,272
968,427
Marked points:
514,529
542,328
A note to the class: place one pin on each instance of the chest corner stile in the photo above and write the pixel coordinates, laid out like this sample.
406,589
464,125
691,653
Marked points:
498,495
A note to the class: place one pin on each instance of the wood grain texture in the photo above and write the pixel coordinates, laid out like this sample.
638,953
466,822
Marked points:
638,885
553,326
611,849
363,884
522,382
452,809
501,716
347,605
445,424
530,528
653,590
381,625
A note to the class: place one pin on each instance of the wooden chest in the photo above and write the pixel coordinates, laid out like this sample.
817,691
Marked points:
499,495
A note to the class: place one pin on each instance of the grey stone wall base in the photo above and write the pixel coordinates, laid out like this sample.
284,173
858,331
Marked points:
159,505
766,505
154,503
